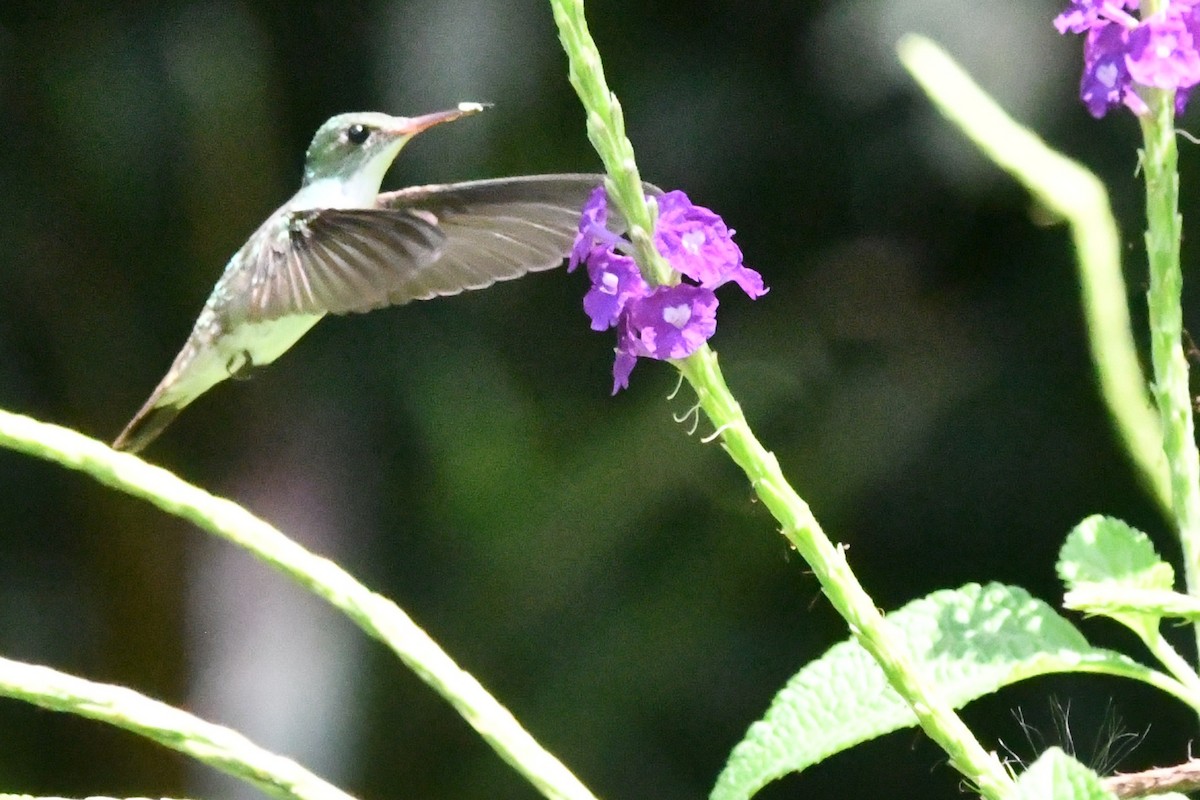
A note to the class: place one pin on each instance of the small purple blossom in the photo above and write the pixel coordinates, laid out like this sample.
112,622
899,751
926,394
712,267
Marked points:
670,322
615,281
1106,81
1122,53
1162,52
594,217
663,322
1181,99
700,246
673,321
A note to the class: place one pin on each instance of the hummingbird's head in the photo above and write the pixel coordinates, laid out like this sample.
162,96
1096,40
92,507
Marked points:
362,145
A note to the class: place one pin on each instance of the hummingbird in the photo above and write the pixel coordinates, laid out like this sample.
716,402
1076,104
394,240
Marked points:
339,246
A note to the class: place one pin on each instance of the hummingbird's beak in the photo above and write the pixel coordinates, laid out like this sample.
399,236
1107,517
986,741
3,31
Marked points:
410,126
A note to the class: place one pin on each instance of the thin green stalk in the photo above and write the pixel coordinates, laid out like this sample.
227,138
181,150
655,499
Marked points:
1143,612
1163,234
606,131
1070,189
1111,601
375,614
216,746
1177,665
828,563
936,717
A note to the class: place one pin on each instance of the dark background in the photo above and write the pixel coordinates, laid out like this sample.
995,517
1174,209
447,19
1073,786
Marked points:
919,368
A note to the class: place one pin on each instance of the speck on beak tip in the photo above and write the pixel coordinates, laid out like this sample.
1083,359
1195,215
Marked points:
409,126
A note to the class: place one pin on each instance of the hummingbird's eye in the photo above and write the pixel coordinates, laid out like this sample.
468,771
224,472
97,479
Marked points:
357,134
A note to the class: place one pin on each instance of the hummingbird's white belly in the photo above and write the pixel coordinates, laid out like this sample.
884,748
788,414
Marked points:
266,341
249,344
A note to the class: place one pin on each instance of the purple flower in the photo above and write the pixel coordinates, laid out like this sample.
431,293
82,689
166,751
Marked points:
623,365
1181,100
1162,51
1122,53
663,322
615,281
671,322
592,226
1106,81
700,246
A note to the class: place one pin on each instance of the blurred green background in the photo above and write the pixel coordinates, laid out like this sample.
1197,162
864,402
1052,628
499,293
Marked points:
918,367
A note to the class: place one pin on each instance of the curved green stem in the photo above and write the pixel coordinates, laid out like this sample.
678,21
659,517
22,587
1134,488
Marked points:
1177,665
375,614
1070,189
215,745
1127,668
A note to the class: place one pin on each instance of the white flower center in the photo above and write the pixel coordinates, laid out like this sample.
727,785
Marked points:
691,241
677,315
1107,75
609,283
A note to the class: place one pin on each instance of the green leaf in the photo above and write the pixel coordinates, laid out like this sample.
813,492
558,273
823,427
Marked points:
1108,551
1108,567
1057,776
970,641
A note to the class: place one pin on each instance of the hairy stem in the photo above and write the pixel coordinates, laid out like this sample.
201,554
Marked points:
935,715
1163,233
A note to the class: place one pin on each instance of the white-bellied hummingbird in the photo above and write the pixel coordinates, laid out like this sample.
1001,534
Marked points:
339,246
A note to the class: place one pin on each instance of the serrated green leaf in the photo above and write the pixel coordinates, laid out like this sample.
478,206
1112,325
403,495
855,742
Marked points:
1108,551
1103,562
1057,776
971,641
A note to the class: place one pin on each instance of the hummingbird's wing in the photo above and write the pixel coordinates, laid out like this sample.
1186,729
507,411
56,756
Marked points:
333,261
419,243
495,229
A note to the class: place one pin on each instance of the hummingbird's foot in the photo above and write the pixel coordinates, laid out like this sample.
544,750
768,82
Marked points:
240,365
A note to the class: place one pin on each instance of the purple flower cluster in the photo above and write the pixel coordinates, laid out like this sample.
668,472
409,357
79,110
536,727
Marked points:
1122,51
661,321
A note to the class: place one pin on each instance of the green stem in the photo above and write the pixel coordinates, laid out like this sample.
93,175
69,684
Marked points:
1163,234
606,131
936,717
1117,600
1177,665
1070,189
216,746
828,562
375,614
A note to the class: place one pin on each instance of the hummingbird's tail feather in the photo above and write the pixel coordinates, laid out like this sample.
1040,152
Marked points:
144,428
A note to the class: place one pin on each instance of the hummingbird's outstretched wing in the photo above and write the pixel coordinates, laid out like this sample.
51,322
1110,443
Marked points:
335,260
419,243
495,229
